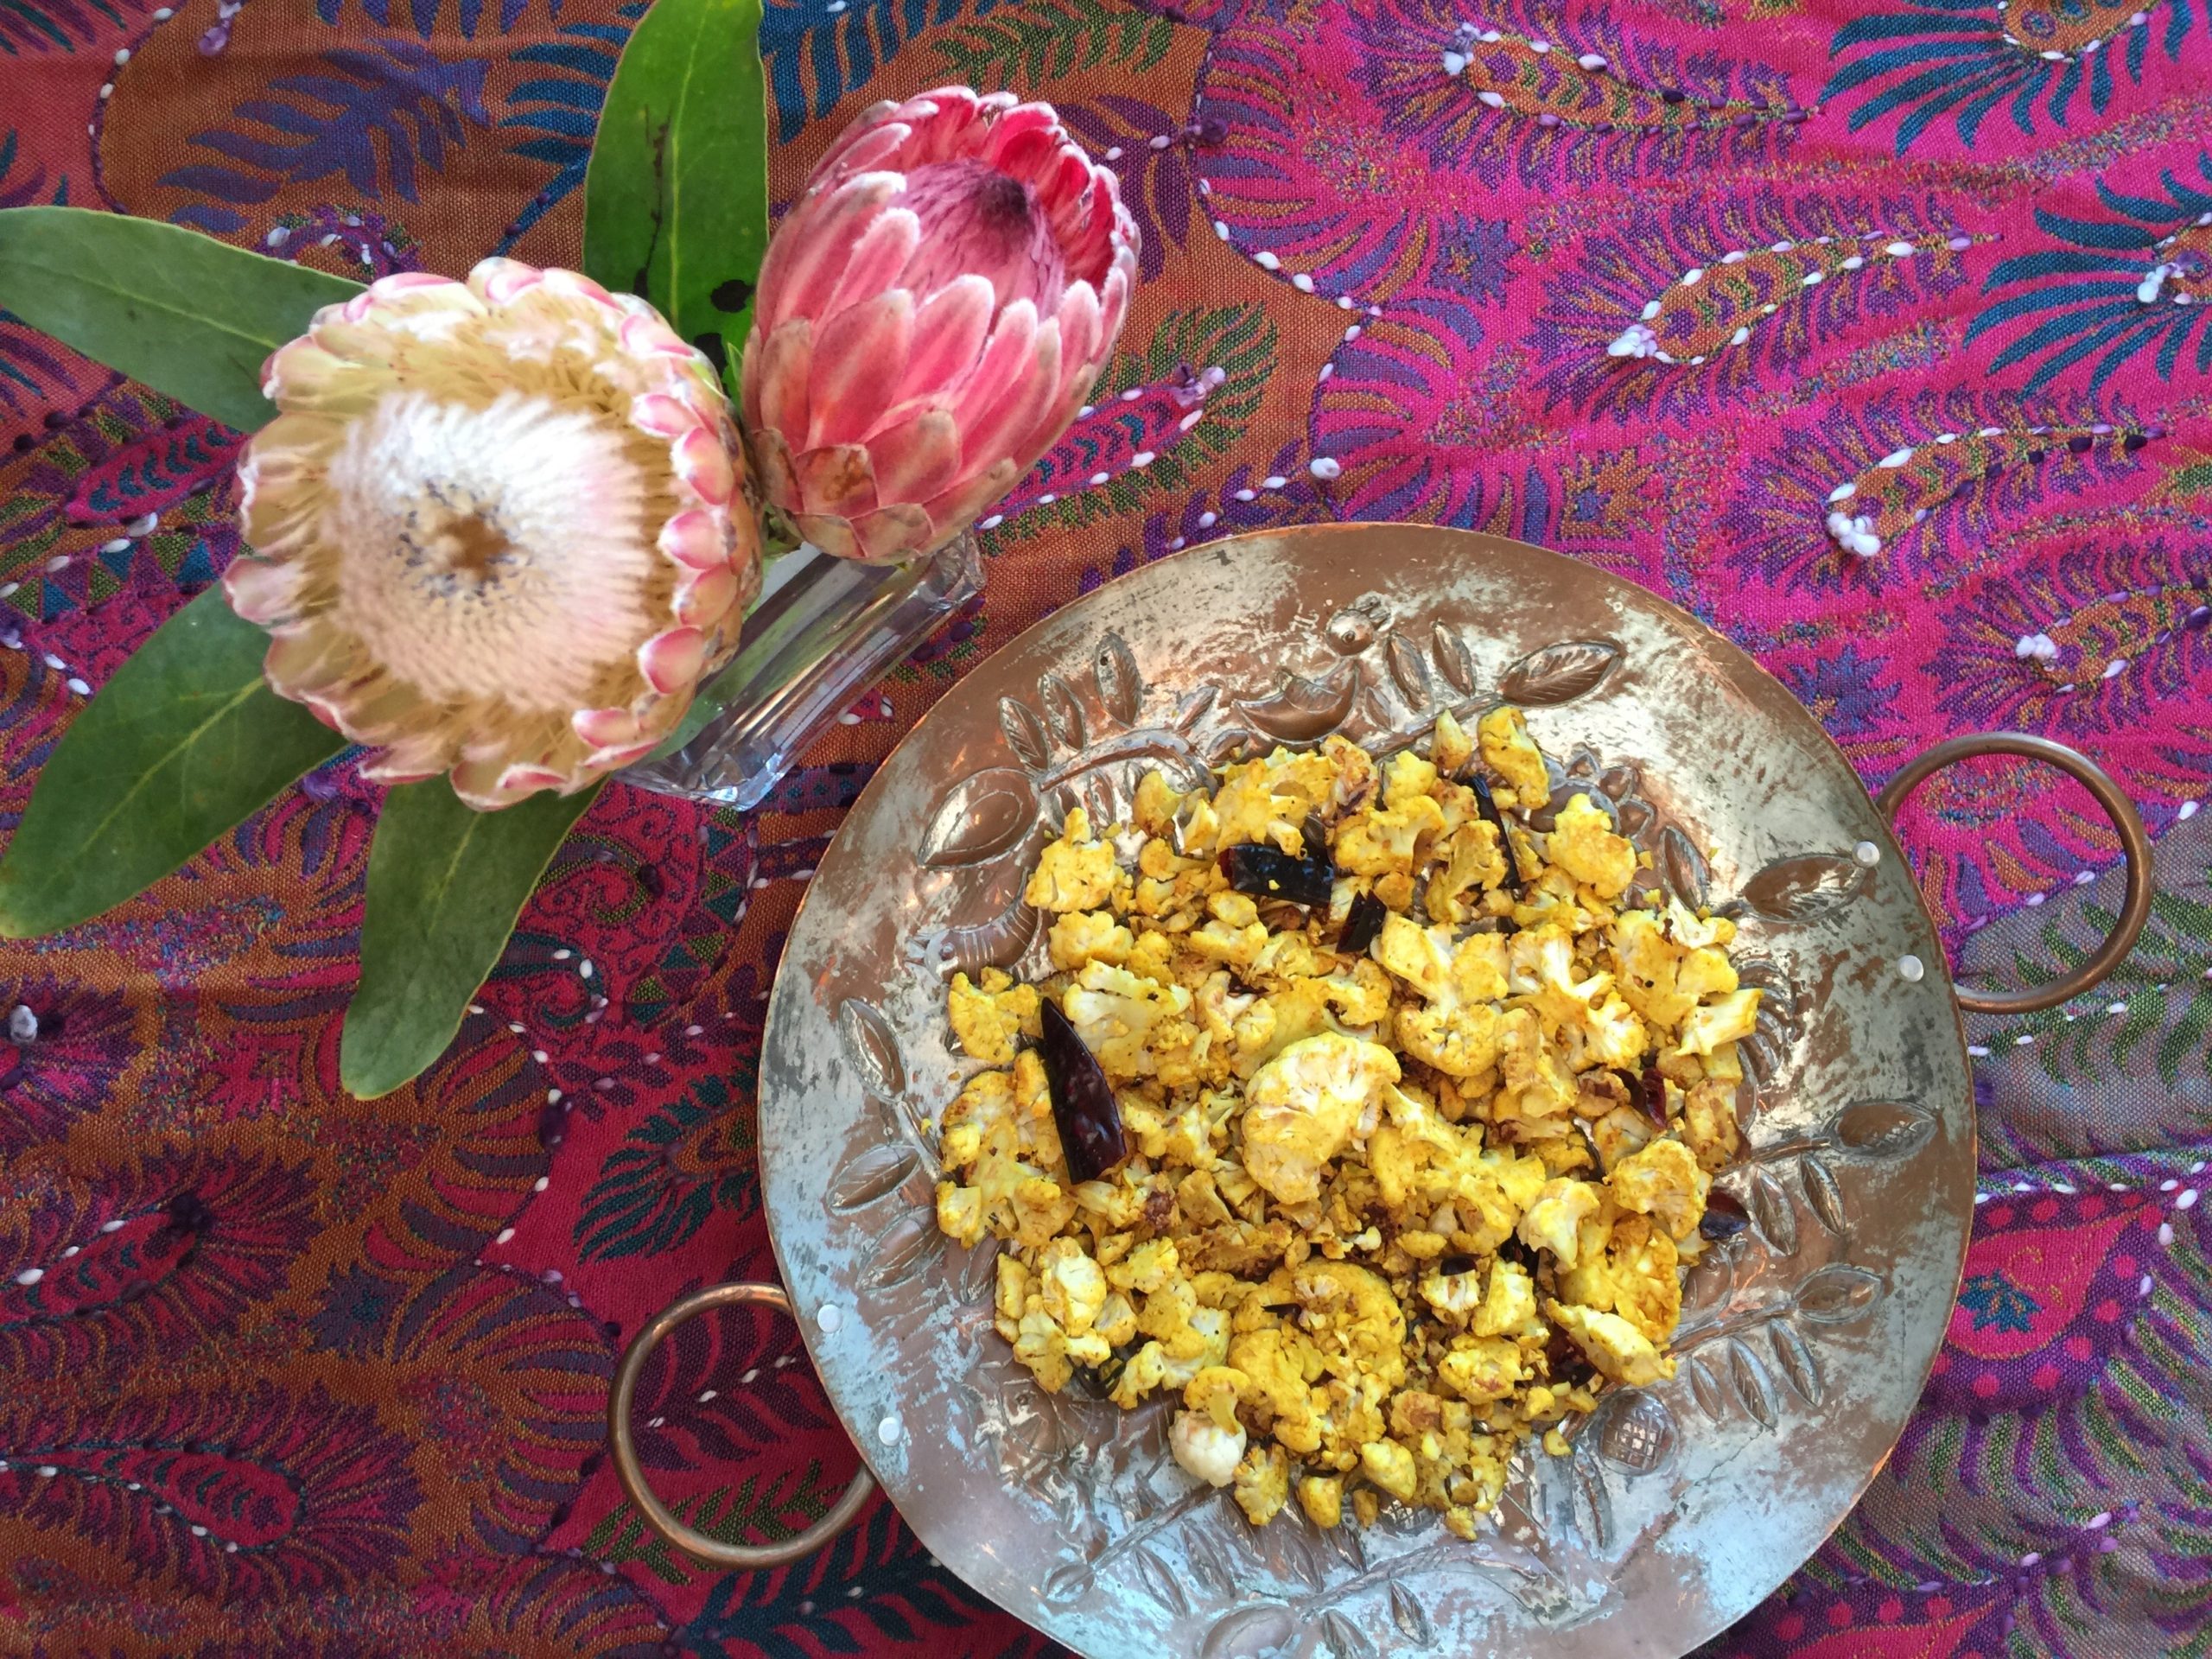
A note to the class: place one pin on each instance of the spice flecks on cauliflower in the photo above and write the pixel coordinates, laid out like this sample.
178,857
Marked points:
1379,1204
1305,1104
1074,872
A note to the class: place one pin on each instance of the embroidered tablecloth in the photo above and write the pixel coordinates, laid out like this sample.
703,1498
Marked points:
1875,332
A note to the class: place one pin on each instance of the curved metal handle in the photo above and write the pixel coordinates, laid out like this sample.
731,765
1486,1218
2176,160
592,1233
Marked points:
694,1543
2135,846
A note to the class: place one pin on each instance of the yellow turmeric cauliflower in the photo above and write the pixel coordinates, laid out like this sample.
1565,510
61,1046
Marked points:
1374,1201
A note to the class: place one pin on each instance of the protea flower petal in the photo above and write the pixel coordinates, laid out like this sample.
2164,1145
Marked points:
931,314
499,529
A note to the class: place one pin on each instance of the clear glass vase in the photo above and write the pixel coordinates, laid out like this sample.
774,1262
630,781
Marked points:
825,630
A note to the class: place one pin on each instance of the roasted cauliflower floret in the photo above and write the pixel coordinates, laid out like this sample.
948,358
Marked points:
1584,845
1662,1181
1083,936
1555,1221
1305,1104
1508,751
1074,872
987,1017
1481,1369
1127,1021
1322,1497
1262,1483
1380,841
1449,745
1609,1342
1072,1285
1391,1466
1205,1448
1734,1017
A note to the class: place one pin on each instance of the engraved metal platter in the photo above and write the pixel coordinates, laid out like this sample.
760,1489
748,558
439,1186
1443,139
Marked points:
1804,1341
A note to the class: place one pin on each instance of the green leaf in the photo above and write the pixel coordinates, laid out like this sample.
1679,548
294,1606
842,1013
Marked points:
675,201
446,883
184,742
183,313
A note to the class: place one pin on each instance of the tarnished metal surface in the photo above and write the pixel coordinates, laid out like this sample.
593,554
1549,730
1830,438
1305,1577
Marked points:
1803,1344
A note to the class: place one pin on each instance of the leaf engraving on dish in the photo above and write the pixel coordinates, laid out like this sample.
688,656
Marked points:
997,942
1209,1566
1689,878
1772,1213
1066,1582
1823,1196
1705,1389
908,1249
1559,673
1804,889
1341,1638
1162,1581
1754,1388
1411,1618
981,816
873,1174
1121,687
872,1048
1838,1293
1798,1363
1194,706
1064,711
1025,733
1302,710
1453,660
1883,1128
1246,1633
1408,668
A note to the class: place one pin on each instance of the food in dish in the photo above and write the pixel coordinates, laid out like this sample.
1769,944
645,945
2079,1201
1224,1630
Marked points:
1366,1122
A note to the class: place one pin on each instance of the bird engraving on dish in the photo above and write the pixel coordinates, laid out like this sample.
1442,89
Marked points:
1754,1317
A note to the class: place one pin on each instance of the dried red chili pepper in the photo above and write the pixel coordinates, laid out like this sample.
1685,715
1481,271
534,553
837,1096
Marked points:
1264,872
1083,1107
1362,922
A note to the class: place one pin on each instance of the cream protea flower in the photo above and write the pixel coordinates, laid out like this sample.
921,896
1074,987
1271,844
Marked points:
498,528
929,316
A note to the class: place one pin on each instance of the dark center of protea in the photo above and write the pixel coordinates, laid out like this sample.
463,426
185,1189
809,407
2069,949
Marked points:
978,221
1002,204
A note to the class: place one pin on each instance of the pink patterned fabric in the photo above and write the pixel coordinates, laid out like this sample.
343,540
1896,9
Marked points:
290,1374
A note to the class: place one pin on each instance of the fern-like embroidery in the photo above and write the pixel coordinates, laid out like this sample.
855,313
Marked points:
1964,58
562,107
381,117
2119,285
1033,43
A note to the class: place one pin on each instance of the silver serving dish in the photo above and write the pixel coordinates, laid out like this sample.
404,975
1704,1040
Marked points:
1804,1342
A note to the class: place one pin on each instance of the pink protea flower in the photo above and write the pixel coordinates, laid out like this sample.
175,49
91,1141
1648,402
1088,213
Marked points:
929,316
498,528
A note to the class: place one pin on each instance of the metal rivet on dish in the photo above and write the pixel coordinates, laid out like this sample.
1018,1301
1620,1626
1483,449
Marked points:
887,1431
1867,854
1913,967
830,1317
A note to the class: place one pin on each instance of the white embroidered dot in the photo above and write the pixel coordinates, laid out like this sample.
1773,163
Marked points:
1325,467
2187,1201
540,1184
30,1275
1913,967
1266,261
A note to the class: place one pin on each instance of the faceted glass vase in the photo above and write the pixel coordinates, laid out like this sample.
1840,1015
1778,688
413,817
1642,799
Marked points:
825,630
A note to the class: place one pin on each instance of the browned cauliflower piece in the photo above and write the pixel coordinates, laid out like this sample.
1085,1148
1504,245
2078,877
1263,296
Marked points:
1305,1104
1074,872
1508,751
